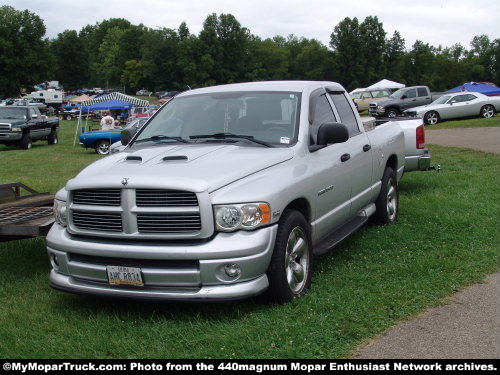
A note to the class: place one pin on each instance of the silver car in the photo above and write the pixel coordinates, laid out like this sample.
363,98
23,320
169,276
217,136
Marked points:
457,105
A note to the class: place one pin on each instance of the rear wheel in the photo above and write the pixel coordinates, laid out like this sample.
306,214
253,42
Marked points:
290,270
26,142
431,118
52,138
68,117
102,147
391,112
487,111
387,203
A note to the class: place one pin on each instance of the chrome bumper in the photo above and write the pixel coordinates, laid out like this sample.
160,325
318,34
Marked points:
11,136
418,162
170,271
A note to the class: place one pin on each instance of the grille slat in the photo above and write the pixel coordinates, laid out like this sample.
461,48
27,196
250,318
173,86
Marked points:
97,197
165,198
168,223
107,222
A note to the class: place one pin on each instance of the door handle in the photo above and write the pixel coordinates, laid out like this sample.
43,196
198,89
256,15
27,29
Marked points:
367,148
345,157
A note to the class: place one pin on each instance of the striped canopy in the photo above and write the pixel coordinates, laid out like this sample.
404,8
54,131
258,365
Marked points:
117,96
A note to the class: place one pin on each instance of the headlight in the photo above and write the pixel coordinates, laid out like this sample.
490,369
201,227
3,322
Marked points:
247,216
380,107
60,212
15,129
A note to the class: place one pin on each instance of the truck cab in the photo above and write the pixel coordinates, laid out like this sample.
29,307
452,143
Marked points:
401,100
227,192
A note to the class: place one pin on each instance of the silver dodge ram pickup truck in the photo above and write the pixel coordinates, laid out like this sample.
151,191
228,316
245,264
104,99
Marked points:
226,192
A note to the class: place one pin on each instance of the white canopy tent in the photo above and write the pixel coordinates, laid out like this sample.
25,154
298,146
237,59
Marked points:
386,84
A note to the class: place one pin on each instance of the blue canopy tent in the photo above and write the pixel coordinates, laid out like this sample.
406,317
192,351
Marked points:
113,101
483,88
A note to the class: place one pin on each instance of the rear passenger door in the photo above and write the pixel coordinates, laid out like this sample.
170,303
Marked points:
423,96
360,162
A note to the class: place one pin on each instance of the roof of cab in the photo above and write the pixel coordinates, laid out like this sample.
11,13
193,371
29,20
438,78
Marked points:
295,86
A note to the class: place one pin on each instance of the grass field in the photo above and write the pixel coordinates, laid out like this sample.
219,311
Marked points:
446,238
468,123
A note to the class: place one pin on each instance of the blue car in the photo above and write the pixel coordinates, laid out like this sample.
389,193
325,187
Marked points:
100,140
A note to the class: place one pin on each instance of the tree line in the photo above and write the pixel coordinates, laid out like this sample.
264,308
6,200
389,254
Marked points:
116,53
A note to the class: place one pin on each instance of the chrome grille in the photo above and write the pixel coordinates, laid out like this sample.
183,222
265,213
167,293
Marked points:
97,197
4,127
106,222
168,223
164,198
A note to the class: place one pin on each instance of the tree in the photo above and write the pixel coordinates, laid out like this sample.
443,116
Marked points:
393,59
72,60
24,53
134,74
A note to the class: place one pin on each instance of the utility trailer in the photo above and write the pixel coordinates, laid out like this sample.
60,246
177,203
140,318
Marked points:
24,212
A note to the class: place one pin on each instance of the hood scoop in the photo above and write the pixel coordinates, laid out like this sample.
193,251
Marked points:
133,158
175,158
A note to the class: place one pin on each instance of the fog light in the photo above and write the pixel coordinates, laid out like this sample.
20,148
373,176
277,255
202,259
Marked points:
55,263
232,270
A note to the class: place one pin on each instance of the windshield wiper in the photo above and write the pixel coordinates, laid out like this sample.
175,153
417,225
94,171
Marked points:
231,135
161,137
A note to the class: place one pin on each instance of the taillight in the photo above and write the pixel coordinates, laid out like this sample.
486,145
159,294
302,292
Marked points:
420,137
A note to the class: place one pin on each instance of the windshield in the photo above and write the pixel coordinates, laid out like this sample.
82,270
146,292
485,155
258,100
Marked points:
13,113
355,95
397,94
271,117
442,99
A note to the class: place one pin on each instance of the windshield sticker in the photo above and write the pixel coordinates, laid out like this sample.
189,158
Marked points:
285,140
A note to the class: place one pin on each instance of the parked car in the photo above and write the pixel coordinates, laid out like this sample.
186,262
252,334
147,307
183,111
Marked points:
227,192
100,140
143,92
23,125
403,99
457,105
168,96
364,98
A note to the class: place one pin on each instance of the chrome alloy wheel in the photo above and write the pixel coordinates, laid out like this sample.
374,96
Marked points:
103,148
432,118
392,200
297,260
488,111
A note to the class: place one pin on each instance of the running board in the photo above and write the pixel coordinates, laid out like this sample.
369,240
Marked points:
331,240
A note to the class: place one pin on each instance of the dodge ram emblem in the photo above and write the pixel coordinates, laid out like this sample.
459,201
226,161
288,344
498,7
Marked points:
125,181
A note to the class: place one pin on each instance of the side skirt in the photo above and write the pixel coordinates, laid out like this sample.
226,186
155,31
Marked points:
332,239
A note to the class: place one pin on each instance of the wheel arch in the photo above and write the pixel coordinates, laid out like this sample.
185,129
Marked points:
301,205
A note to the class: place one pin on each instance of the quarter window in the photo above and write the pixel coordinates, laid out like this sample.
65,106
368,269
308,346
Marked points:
422,91
346,114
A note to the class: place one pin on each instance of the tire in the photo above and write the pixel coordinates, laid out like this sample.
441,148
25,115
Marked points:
487,111
432,118
387,202
52,138
26,141
391,112
290,273
102,147
68,117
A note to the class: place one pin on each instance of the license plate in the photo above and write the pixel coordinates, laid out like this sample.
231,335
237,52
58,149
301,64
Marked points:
118,275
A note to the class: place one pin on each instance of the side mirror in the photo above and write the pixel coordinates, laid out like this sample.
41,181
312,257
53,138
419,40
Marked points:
126,135
403,97
34,116
332,132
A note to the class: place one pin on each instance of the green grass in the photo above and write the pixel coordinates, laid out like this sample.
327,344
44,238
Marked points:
446,238
151,99
468,123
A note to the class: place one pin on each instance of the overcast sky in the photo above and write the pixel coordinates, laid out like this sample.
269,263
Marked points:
436,22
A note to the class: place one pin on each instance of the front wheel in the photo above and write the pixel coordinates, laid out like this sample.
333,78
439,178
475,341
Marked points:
26,142
68,117
52,138
387,203
290,270
391,112
487,111
431,118
102,147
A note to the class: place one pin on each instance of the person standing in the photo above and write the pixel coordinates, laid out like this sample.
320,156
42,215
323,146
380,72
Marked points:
107,122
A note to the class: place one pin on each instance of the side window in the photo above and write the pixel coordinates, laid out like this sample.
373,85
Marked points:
366,95
346,114
322,113
422,91
411,93
32,112
471,97
460,99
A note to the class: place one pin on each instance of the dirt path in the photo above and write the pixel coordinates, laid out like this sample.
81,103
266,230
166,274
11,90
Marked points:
484,139
468,327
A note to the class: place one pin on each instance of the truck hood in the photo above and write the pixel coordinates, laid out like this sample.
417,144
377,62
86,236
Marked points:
12,122
386,102
191,167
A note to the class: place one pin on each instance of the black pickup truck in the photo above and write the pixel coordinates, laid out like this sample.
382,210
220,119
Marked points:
22,125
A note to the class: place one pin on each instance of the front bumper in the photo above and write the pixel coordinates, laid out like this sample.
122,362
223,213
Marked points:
170,271
418,162
11,136
376,111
